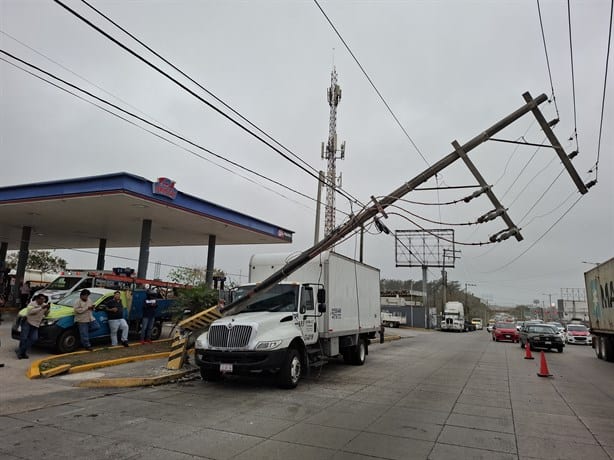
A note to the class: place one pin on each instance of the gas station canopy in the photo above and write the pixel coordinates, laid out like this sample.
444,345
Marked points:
79,213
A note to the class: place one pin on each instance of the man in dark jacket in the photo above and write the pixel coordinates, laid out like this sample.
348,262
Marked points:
149,317
115,315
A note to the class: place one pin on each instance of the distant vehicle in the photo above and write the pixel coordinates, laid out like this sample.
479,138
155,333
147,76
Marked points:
600,297
519,325
390,319
478,323
64,285
560,329
578,333
490,325
505,331
453,317
541,336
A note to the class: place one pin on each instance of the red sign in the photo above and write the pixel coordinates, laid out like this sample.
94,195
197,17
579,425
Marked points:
165,187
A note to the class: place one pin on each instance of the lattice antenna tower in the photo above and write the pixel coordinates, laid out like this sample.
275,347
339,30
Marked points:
330,153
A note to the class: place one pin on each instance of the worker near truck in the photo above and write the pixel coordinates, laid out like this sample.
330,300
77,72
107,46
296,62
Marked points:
115,315
35,312
84,317
149,317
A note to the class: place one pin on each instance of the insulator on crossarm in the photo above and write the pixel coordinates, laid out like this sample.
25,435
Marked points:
476,194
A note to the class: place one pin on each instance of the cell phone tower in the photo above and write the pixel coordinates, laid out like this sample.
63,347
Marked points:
329,152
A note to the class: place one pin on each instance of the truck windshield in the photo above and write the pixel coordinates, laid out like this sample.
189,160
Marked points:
63,283
282,297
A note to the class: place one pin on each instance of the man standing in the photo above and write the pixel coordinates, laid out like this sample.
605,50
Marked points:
115,314
149,317
84,317
35,313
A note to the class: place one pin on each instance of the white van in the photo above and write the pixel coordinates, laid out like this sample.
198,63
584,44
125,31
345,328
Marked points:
64,285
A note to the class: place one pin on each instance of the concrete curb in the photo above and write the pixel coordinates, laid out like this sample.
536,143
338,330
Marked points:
34,371
127,382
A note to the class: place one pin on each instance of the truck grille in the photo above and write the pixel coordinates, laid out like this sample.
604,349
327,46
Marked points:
236,337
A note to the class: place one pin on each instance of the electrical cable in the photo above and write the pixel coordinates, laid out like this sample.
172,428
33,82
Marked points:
166,61
538,239
479,243
514,151
541,25
551,211
197,96
541,196
523,169
433,221
573,79
605,81
347,47
535,176
39,69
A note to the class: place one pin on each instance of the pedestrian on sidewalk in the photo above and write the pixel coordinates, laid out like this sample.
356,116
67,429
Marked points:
115,314
149,317
84,317
35,312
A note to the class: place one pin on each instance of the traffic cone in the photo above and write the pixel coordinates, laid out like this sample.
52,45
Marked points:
543,368
528,354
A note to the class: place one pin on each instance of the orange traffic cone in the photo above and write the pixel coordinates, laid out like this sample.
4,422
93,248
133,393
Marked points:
543,368
528,354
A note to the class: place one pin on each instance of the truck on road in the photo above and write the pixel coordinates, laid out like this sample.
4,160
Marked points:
327,308
453,317
600,296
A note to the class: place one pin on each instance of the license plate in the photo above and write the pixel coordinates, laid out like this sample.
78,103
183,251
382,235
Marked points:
548,342
507,336
225,367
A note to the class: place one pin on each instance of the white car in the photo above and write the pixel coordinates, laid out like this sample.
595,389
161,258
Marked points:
560,330
578,334
490,326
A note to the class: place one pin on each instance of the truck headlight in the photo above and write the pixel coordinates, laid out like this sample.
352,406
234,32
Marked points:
268,345
202,342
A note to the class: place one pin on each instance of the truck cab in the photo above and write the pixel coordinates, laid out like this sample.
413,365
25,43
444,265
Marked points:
453,317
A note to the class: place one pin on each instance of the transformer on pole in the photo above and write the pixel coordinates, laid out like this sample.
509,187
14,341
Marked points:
329,152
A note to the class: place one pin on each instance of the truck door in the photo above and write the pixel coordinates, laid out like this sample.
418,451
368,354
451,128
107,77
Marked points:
307,318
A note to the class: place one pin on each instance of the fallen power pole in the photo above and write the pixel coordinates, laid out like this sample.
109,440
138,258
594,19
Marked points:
460,151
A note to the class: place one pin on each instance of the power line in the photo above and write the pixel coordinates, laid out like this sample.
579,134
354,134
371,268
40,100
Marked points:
605,81
194,94
238,165
541,25
573,79
535,176
432,221
538,239
347,47
551,211
159,56
522,170
542,195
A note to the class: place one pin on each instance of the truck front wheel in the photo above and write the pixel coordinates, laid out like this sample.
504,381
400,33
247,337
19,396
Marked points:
67,341
291,370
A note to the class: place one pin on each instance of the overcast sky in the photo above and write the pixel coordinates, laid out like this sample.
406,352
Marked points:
448,70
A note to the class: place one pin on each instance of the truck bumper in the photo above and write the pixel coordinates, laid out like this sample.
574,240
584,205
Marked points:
243,362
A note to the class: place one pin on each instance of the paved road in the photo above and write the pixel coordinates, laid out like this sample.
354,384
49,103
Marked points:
430,395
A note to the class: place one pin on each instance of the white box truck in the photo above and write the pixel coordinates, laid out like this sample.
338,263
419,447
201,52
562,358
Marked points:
600,296
453,317
327,308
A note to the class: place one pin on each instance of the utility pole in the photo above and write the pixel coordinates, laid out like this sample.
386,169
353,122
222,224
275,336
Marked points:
329,153
379,206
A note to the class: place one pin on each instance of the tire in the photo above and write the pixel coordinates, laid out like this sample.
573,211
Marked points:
68,341
560,349
291,371
209,375
156,330
359,353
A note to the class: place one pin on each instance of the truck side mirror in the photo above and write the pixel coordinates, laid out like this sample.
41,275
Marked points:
321,308
321,296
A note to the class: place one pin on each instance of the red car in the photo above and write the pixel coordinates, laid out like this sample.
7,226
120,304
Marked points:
505,331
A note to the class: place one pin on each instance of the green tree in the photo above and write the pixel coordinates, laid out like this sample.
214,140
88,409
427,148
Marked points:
44,261
193,276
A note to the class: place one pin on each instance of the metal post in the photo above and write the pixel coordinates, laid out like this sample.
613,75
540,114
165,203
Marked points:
369,212
144,249
316,233
362,242
102,248
4,246
22,260
210,260
424,297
